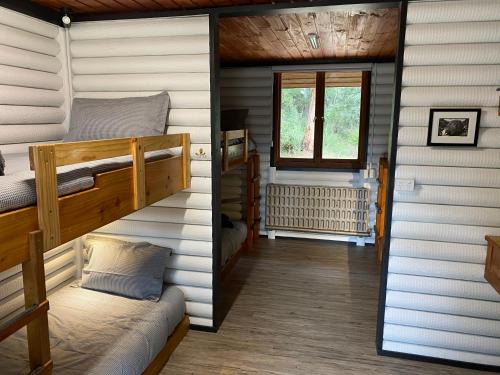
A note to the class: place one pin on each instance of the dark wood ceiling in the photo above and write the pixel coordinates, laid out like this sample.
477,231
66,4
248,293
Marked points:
343,35
112,6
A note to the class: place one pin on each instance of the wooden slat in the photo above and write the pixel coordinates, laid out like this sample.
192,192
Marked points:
225,151
23,319
44,162
245,147
79,152
14,236
492,264
36,294
163,142
138,173
164,178
235,134
186,160
84,151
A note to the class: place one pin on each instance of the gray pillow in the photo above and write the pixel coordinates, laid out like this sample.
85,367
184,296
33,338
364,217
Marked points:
126,268
118,118
2,165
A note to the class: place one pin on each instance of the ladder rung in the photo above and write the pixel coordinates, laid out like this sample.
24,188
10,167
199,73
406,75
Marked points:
43,370
23,319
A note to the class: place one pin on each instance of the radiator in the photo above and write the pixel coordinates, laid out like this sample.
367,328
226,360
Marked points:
322,209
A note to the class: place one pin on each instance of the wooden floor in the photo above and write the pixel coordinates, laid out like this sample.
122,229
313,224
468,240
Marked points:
299,307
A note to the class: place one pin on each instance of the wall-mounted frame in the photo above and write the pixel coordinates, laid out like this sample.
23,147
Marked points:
453,127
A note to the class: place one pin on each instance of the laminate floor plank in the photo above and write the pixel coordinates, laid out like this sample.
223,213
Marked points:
298,307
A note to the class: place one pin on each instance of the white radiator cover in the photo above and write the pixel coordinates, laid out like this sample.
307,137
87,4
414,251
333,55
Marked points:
322,209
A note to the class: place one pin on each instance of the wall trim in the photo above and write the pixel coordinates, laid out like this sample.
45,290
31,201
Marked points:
33,10
440,361
233,11
216,166
309,64
392,150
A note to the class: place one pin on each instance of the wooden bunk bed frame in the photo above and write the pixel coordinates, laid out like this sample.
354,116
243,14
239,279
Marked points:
29,232
251,160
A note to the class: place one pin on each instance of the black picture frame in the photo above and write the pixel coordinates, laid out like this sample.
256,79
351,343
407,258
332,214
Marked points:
469,118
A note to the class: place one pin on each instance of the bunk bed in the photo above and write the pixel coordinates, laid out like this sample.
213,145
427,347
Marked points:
118,189
237,153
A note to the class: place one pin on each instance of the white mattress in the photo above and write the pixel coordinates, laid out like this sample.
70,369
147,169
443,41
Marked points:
232,239
100,334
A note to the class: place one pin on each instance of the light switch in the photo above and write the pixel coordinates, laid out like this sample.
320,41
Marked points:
403,184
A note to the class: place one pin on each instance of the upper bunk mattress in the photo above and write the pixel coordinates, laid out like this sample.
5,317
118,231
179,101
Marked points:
18,190
100,334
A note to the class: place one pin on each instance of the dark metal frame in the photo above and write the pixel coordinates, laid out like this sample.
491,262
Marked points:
214,14
318,161
216,166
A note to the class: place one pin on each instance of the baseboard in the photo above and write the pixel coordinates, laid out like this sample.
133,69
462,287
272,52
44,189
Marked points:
441,361
319,236
197,327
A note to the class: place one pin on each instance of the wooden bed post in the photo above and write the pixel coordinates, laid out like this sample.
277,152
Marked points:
256,197
35,295
186,160
139,173
225,152
245,147
43,162
250,201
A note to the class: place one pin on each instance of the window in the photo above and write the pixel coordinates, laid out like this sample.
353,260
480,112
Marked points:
320,119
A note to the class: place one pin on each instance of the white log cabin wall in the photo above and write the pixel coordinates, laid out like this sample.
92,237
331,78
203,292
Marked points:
34,106
112,59
438,303
252,88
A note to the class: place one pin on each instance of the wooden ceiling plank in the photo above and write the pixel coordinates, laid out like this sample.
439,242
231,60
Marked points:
279,51
295,30
259,37
308,25
340,27
281,31
325,32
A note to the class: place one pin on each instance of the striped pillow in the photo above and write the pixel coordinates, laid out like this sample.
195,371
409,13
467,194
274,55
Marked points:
118,118
125,268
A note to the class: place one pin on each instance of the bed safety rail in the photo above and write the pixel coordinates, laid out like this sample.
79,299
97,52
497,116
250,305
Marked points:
227,138
45,159
34,317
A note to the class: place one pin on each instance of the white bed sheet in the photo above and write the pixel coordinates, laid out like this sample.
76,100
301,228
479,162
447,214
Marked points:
100,334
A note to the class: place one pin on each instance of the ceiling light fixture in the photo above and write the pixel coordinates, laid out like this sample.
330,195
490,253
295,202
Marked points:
313,40
66,17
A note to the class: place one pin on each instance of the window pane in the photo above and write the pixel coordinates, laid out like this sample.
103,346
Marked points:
342,115
298,100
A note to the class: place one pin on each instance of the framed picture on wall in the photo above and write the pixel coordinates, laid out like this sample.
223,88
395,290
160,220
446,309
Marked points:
453,126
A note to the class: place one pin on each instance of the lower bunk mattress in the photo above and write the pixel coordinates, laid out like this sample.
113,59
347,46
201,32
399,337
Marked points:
100,334
232,239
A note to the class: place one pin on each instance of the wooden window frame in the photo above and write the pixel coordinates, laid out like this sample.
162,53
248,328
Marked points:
317,161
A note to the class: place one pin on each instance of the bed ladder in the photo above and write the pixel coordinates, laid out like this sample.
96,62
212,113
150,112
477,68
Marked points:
34,317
